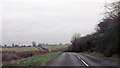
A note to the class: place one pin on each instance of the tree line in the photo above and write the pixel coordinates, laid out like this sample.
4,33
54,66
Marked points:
34,44
105,39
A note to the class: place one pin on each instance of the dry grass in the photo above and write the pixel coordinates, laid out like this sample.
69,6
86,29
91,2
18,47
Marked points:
6,58
18,49
114,58
55,47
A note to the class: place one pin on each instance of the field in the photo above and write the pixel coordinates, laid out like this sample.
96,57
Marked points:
36,60
20,49
54,47
22,55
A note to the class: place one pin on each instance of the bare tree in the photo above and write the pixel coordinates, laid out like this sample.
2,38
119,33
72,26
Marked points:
34,43
13,45
112,10
75,37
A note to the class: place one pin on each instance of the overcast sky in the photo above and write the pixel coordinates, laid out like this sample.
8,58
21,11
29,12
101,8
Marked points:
48,21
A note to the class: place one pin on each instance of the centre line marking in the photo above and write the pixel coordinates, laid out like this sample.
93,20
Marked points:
85,63
78,57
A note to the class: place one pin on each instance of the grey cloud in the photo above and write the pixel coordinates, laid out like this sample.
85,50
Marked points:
48,21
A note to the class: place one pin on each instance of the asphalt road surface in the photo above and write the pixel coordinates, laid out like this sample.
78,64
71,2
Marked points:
78,59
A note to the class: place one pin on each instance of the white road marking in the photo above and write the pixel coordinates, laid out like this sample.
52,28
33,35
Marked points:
85,63
78,57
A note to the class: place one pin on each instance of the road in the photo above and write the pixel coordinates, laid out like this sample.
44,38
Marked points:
78,59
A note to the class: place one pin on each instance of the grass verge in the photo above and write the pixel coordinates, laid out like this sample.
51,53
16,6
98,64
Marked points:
113,58
36,60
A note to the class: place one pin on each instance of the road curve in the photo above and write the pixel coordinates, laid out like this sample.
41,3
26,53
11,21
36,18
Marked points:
78,59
